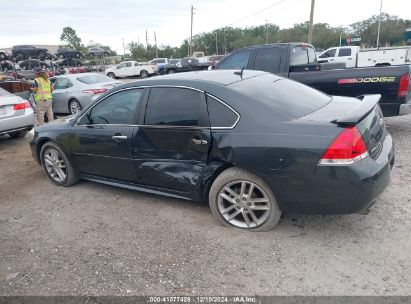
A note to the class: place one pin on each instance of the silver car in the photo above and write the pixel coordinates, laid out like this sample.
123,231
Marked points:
74,91
16,115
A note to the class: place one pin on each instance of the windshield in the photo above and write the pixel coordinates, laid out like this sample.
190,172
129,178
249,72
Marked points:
92,79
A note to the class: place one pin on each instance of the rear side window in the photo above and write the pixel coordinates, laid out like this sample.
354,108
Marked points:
238,60
268,60
221,116
344,52
286,99
173,107
92,79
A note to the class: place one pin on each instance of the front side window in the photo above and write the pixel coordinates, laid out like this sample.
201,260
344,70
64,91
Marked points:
128,64
302,55
121,65
329,53
268,60
173,107
344,52
238,60
119,108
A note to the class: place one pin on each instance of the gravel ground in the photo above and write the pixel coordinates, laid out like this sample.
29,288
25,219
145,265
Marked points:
93,239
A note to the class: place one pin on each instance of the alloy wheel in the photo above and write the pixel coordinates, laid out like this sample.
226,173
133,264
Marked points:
55,165
243,204
75,107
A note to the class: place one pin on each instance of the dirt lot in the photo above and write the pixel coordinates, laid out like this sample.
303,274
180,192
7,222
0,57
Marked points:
93,239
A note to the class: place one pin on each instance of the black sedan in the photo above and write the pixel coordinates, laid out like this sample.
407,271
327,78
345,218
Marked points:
252,144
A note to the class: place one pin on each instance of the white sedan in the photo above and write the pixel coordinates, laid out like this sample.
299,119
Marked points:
132,68
16,115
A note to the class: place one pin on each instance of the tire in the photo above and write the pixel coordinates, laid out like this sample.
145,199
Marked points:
3,56
266,211
49,163
18,134
106,54
23,78
91,54
172,71
61,56
77,55
112,75
42,55
43,66
20,56
74,106
144,74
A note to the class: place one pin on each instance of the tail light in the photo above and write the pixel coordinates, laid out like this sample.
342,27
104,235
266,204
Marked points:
21,106
95,91
348,148
404,85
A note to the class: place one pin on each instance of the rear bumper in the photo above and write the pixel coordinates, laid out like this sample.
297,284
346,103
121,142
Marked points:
18,123
340,190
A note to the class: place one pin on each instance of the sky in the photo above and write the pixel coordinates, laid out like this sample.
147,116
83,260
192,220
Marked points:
109,22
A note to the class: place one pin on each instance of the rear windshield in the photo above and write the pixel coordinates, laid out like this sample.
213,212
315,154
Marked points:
92,79
4,92
286,98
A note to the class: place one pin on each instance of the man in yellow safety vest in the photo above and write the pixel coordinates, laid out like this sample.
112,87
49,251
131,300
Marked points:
43,89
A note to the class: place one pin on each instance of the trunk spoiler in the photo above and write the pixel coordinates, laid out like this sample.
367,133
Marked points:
366,104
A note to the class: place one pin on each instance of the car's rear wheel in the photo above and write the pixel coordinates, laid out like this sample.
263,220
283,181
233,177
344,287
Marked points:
112,75
57,166
74,106
144,74
18,134
2,56
171,71
77,55
241,199
61,56
91,54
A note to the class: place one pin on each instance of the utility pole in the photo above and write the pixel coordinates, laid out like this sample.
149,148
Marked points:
225,45
379,27
155,41
191,32
216,43
341,31
124,50
311,26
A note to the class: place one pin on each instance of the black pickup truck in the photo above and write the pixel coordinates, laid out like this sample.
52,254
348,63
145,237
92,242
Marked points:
298,61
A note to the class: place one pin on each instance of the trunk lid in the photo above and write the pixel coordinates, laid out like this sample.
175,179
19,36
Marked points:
362,112
7,105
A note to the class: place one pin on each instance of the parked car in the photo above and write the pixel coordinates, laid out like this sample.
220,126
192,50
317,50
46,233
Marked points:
22,75
252,144
131,69
185,65
33,63
97,51
73,92
354,56
68,53
6,66
4,55
16,115
158,61
69,62
20,52
298,61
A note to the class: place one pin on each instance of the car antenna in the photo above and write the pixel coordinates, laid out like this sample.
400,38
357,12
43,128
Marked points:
240,73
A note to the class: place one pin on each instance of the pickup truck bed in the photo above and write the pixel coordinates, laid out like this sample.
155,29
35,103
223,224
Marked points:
298,61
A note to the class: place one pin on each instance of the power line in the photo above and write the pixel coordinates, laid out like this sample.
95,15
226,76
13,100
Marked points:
258,12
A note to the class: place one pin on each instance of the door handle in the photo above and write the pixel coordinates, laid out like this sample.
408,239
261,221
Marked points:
119,138
199,141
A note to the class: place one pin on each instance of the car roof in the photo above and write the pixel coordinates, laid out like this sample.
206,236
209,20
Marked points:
218,77
72,76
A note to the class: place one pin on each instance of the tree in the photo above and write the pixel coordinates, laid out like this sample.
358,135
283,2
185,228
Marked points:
70,38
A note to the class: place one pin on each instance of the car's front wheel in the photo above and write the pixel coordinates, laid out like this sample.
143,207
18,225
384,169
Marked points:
57,166
112,75
241,199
